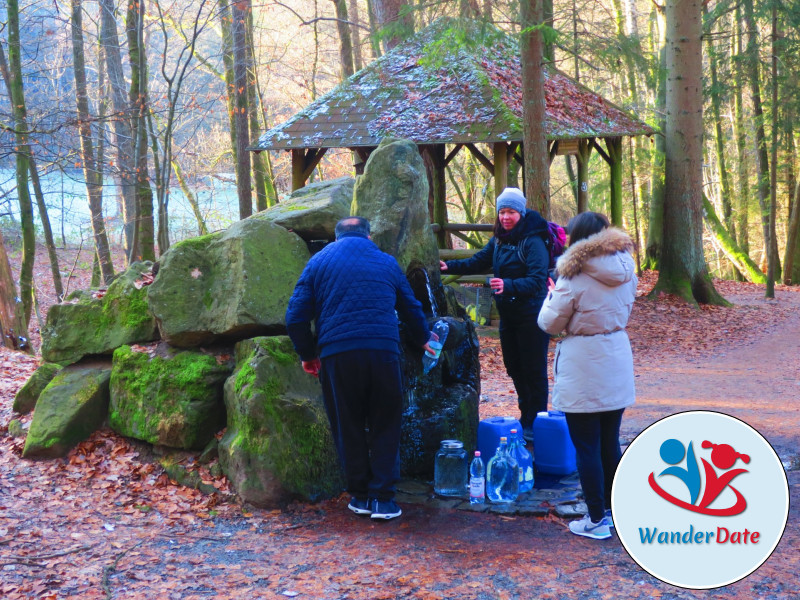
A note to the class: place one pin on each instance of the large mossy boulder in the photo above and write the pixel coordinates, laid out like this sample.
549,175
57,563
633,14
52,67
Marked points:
278,444
172,398
393,194
97,322
28,394
72,406
227,286
313,211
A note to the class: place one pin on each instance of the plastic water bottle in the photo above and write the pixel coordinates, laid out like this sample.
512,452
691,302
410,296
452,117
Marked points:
502,476
477,481
518,450
440,328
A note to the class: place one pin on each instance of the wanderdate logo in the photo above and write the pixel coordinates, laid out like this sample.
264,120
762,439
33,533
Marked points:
712,482
700,499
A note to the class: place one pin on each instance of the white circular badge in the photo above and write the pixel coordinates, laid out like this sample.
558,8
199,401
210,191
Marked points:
700,500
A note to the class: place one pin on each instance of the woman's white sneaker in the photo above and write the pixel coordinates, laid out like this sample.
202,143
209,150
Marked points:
586,528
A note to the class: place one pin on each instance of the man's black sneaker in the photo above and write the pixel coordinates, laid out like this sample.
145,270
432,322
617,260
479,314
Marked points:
384,509
360,506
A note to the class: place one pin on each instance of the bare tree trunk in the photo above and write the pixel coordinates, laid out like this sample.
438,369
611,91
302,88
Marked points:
345,41
37,189
355,32
743,195
791,261
22,165
13,331
773,269
655,227
125,172
752,61
239,12
226,25
537,163
91,172
394,28
260,175
144,230
719,140
683,267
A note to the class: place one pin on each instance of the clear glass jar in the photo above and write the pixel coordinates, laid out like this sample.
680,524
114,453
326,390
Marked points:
450,472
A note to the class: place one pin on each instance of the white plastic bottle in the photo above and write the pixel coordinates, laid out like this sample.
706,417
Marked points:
477,480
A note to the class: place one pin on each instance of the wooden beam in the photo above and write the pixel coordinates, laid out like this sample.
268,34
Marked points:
452,154
312,158
500,152
583,155
614,146
480,156
303,164
298,166
462,227
593,143
436,155
553,151
459,253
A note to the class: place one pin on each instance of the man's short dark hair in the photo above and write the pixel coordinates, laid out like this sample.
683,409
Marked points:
357,225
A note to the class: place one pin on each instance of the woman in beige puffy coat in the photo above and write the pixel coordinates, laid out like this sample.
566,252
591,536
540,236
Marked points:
593,365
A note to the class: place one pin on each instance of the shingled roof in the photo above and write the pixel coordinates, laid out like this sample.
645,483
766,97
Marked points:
455,81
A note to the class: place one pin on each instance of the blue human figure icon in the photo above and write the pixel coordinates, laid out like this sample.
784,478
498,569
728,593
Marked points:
672,453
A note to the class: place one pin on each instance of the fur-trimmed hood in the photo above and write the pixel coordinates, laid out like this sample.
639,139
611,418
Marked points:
604,243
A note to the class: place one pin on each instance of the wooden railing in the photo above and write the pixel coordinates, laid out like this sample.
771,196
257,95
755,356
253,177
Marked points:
455,254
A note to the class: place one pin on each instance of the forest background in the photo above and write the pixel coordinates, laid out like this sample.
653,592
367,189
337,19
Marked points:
127,124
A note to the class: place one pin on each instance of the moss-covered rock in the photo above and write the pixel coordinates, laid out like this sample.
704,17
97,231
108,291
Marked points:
227,286
69,409
88,323
25,400
174,399
393,194
313,211
278,443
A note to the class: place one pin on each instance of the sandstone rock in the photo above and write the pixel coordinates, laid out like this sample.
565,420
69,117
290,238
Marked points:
89,323
227,286
278,443
25,400
72,406
173,399
313,211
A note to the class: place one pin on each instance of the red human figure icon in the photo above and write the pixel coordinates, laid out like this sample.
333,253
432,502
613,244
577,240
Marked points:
724,457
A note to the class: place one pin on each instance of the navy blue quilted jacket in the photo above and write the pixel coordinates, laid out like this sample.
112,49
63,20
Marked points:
351,289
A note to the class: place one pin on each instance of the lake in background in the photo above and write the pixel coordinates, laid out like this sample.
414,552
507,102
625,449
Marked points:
68,206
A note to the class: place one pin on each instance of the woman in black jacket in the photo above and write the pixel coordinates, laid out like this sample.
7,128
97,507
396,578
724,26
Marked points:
518,257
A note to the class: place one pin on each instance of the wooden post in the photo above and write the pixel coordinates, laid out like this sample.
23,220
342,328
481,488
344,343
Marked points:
500,150
437,157
298,166
584,152
303,164
614,146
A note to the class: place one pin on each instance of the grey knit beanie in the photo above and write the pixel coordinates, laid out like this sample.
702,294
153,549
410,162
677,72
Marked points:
512,198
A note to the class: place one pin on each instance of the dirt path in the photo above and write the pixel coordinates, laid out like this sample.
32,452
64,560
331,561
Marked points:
756,380
67,531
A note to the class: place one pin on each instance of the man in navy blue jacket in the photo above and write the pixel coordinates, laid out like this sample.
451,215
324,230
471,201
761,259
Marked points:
354,293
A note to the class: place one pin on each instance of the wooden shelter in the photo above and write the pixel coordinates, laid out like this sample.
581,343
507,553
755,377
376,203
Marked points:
451,86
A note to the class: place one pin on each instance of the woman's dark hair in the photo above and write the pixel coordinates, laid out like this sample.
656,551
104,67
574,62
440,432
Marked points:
585,224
